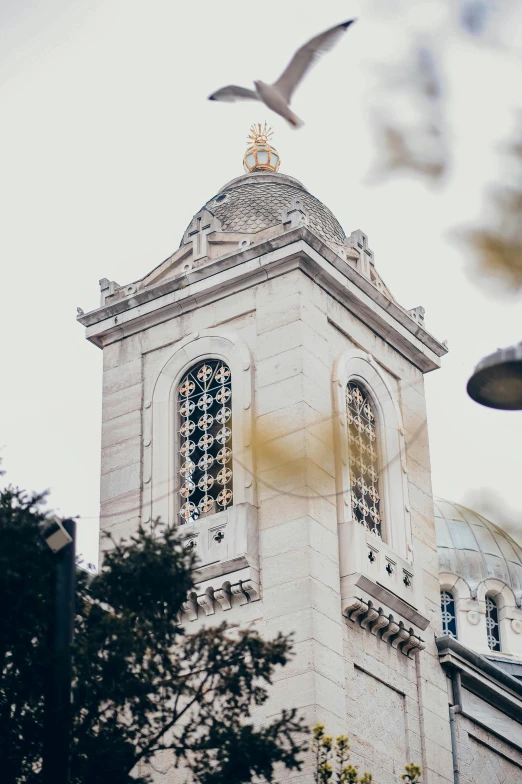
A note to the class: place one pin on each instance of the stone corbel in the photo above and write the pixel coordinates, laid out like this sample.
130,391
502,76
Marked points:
251,588
369,617
354,608
413,644
223,596
390,631
380,622
207,602
190,608
238,595
402,636
382,625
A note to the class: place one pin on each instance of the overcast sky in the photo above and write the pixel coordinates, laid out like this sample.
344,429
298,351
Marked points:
108,147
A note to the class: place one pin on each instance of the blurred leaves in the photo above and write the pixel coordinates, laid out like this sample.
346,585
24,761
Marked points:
409,122
411,105
331,761
498,247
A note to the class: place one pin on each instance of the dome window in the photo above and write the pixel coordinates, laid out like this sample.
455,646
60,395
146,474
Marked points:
220,198
205,440
363,459
492,624
449,618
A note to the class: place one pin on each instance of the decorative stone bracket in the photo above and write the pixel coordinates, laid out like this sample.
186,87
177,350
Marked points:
384,626
207,598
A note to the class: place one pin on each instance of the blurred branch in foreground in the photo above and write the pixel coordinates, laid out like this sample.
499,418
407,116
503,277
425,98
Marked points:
498,247
409,116
409,122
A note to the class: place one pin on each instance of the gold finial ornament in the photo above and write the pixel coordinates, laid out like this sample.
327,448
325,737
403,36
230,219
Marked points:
260,156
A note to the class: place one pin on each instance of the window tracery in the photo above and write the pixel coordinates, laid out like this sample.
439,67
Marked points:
449,617
363,458
492,624
205,440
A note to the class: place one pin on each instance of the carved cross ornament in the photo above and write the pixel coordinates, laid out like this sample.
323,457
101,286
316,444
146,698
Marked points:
202,224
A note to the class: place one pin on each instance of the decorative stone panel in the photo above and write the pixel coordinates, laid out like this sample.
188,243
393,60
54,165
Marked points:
379,733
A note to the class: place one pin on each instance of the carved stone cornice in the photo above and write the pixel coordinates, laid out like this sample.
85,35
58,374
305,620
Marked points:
221,593
390,630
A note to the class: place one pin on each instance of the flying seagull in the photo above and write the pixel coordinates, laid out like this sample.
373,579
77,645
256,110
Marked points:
278,96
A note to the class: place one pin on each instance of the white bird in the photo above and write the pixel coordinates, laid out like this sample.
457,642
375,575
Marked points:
278,96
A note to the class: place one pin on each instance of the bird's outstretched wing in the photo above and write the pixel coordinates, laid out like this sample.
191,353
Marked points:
306,57
232,93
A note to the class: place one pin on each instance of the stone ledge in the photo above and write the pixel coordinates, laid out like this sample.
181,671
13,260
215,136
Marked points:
389,629
392,601
241,587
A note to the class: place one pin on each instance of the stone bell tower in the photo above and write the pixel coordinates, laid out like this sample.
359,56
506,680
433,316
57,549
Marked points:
263,391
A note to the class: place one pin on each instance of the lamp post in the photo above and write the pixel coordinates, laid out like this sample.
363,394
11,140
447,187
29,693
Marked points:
497,380
60,537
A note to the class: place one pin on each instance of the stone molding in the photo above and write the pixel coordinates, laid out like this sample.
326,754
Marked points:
297,248
481,676
390,630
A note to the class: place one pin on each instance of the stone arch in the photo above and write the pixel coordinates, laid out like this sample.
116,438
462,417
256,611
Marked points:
457,585
360,367
498,590
160,459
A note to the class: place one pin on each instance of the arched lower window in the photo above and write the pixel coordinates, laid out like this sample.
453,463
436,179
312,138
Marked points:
449,618
363,458
492,624
205,440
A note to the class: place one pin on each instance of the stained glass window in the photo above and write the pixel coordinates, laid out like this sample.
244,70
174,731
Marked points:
492,624
449,619
364,475
205,440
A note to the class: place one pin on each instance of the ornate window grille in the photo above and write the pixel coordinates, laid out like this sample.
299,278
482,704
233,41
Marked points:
449,618
363,458
205,440
492,624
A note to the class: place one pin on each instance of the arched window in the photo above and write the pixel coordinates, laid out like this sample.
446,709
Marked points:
363,458
492,624
205,481
449,618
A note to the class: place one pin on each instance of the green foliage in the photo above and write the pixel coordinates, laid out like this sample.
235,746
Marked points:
25,581
412,774
324,746
142,684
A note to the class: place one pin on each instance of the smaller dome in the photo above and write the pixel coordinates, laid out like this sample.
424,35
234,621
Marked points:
474,548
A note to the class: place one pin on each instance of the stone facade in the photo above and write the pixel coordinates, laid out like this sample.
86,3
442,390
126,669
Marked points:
295,317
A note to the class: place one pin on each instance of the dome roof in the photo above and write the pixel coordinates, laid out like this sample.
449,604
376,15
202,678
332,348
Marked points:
474,548
257,201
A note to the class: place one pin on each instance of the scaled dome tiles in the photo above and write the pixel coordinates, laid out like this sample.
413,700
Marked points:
475,549
257,201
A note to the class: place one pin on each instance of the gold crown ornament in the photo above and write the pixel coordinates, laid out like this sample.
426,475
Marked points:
260,156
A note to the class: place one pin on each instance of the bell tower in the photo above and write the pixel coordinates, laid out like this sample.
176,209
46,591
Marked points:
263,390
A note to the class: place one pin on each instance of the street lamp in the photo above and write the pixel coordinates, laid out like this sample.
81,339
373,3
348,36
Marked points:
497,380
60,537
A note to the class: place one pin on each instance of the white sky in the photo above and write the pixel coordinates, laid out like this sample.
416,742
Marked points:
108,147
